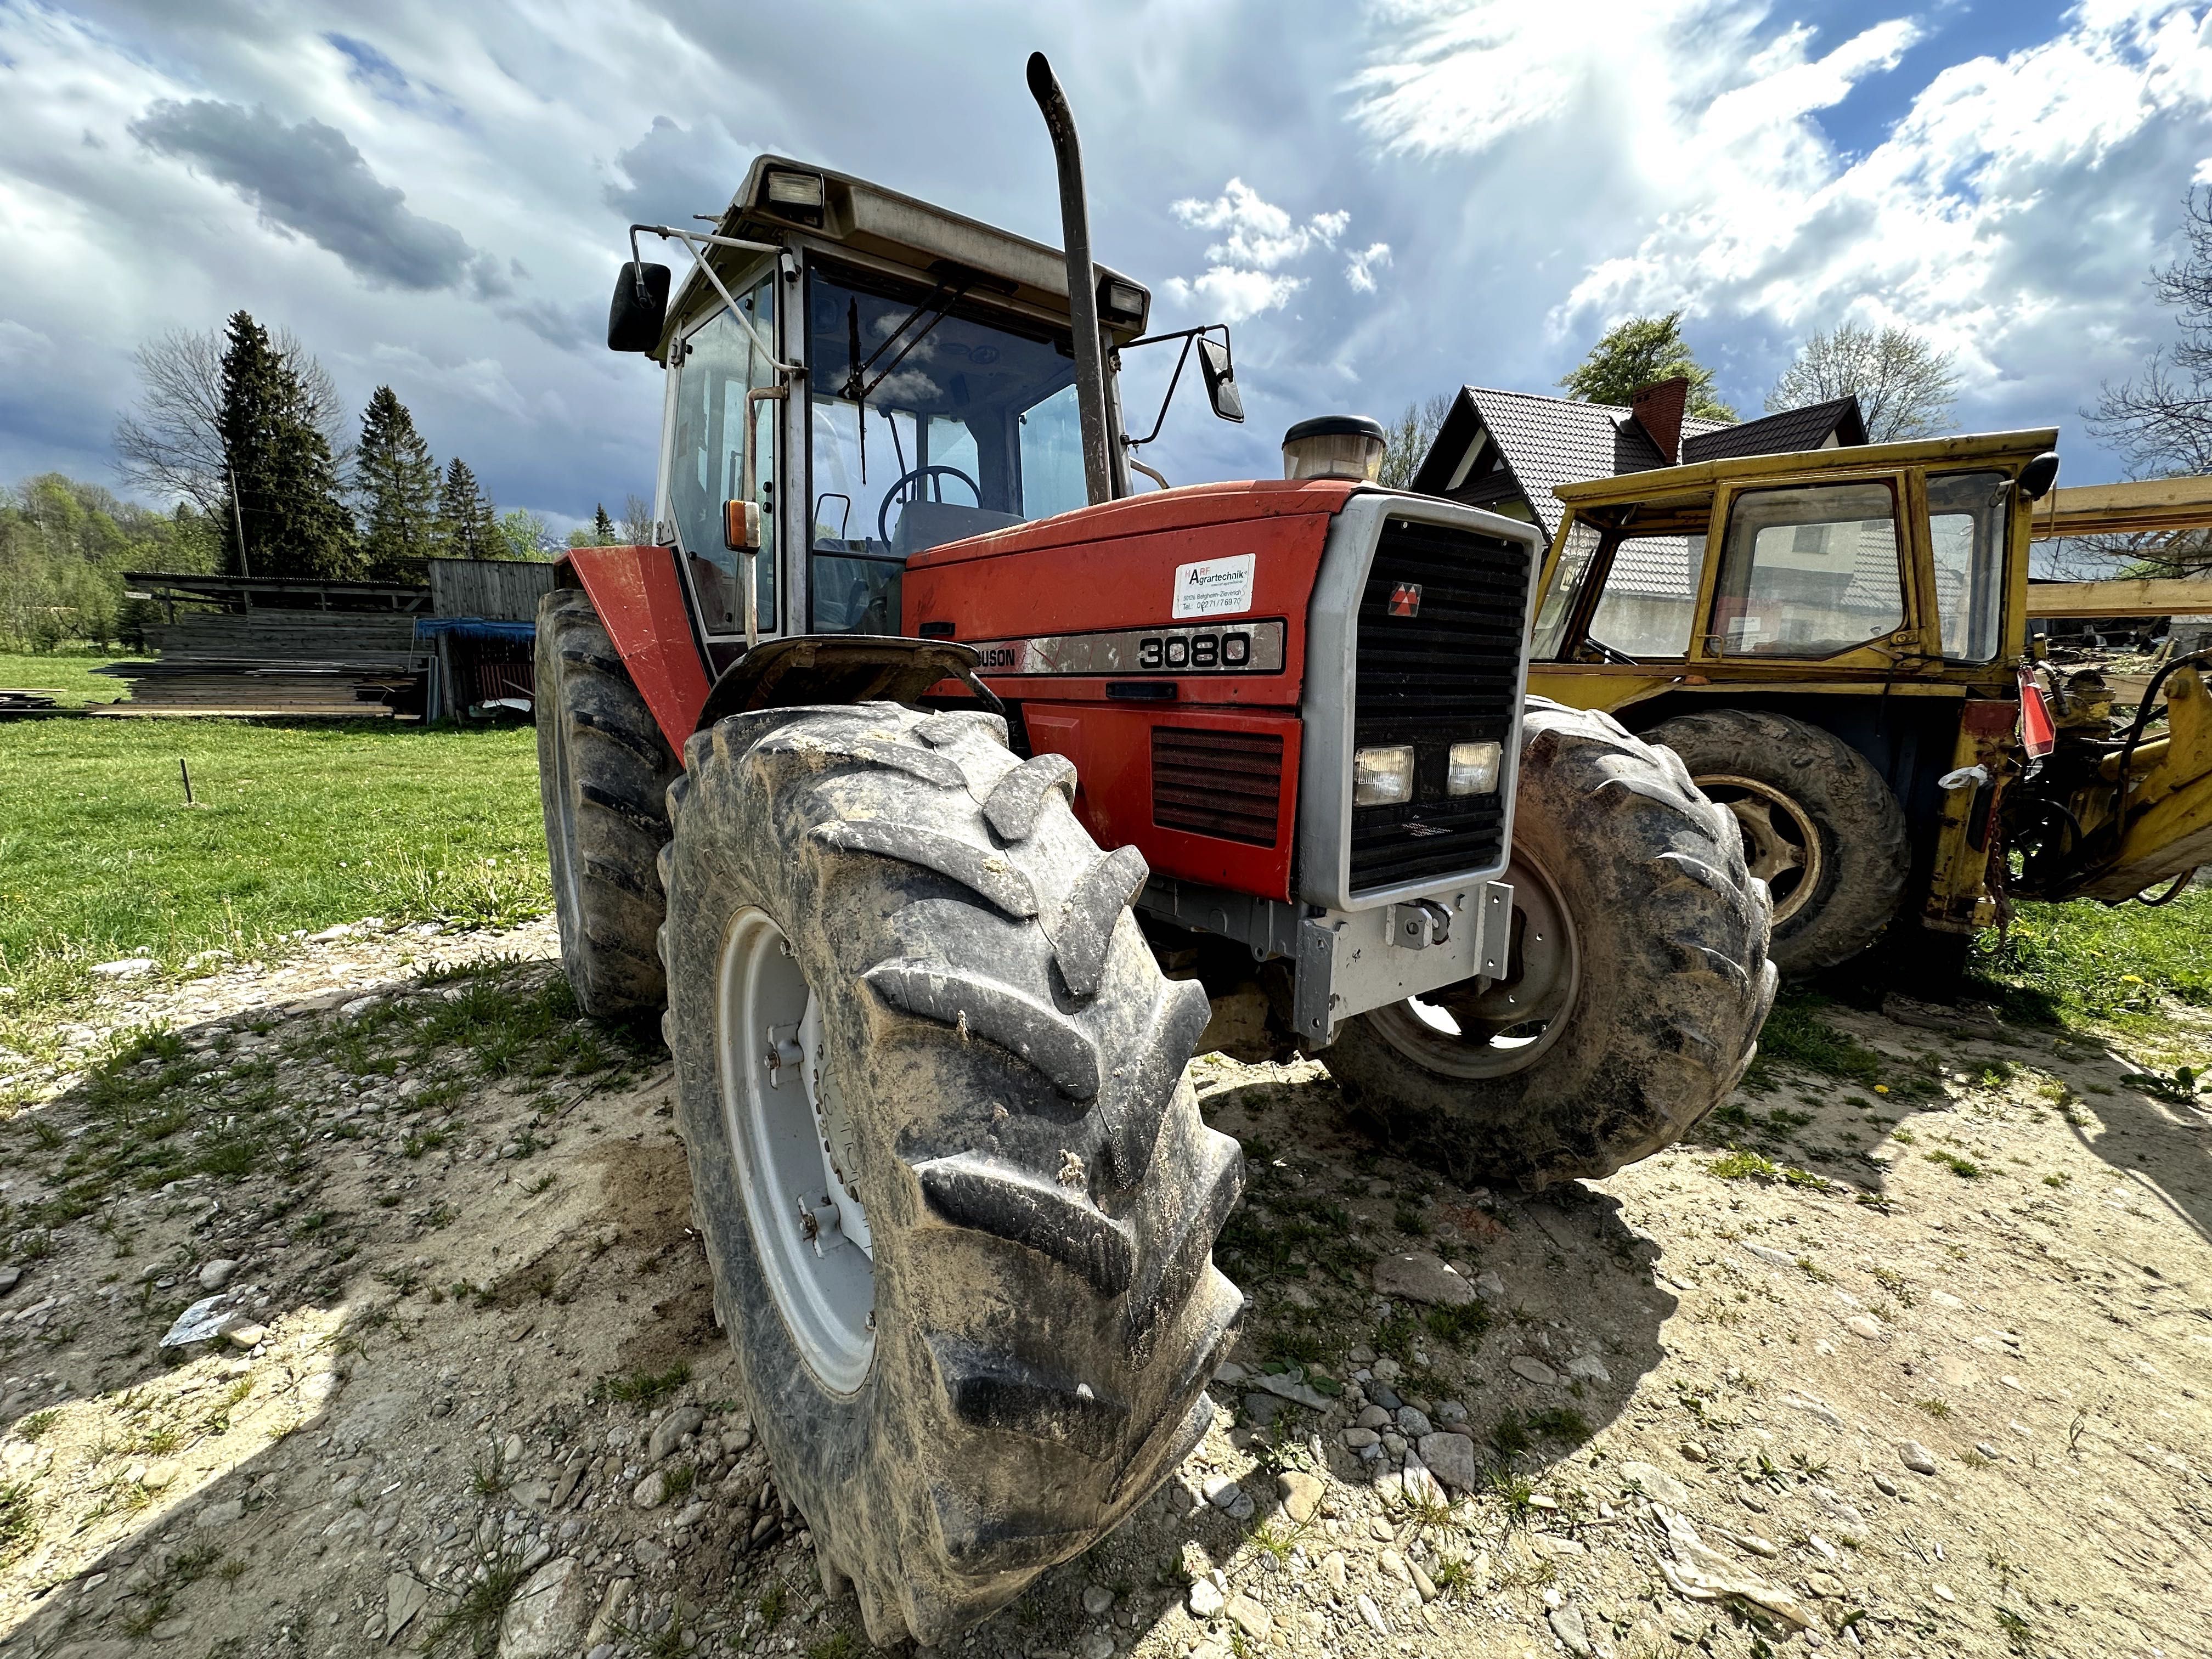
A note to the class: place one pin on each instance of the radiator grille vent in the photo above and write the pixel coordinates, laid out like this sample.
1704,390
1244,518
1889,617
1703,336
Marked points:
1448,673
1225,784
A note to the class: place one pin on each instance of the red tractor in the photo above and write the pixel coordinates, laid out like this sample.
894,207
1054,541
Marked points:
937,785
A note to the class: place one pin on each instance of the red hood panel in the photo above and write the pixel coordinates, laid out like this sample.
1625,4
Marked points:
1193,507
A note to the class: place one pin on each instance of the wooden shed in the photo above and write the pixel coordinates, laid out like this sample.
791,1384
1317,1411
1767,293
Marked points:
481,634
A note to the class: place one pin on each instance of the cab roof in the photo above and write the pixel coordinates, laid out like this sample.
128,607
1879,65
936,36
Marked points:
2004,448
870,220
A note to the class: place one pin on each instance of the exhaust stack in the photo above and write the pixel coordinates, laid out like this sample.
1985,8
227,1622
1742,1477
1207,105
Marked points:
1082,280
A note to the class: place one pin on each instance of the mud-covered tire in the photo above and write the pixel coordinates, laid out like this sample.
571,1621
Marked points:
603,775
1660,1014
1040,1192
1814,801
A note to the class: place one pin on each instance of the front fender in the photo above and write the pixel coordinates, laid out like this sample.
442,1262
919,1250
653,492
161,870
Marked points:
639,598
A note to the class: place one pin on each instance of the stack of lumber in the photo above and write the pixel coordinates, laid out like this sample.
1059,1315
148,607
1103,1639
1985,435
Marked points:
276,662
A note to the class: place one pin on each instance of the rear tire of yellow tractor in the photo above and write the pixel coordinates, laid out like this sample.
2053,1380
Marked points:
1819,827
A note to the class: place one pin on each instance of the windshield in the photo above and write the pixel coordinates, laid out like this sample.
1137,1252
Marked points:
927,425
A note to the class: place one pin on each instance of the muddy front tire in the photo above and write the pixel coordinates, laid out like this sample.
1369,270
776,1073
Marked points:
1637,984
603,775
959,1201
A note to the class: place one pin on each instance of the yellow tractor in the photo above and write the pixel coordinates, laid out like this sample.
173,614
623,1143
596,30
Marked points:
1837,643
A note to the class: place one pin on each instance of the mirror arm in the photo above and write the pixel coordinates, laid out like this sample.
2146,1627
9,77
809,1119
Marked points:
1187,336
693,240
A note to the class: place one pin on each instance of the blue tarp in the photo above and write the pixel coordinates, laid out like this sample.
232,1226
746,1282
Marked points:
473,627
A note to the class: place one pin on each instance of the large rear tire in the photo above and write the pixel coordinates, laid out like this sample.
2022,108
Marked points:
1819,827
603,775
959,1201
1636,988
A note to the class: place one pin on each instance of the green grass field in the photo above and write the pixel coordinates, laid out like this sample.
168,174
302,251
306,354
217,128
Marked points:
69,673
2084,961
297,826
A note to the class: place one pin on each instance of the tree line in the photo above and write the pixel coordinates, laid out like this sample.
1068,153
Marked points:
245,424
243,429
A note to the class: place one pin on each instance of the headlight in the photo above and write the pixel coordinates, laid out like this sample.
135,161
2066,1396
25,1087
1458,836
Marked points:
1474,768
1383,777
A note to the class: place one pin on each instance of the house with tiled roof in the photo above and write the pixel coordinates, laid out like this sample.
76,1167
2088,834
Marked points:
1506,450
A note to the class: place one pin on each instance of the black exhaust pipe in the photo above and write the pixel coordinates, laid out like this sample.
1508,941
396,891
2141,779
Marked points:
1082,282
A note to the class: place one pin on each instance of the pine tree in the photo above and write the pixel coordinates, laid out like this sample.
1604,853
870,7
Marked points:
281,475
603,527
396,483
467,526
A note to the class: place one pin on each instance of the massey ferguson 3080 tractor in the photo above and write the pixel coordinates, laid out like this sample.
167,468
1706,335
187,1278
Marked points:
932,780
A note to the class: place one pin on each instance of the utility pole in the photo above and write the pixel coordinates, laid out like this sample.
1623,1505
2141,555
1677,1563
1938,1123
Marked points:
238,522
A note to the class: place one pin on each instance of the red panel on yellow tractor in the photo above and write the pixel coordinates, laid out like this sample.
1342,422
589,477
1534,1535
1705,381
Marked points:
640,599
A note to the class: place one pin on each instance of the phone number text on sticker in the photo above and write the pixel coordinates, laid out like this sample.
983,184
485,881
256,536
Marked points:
1214,587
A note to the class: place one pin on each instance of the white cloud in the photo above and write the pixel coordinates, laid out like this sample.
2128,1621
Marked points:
1359,271
1245,277
2009,214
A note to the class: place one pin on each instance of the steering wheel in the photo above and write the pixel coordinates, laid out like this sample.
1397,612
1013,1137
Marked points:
1608,654
920,474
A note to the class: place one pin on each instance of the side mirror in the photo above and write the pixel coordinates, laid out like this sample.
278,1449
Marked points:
2039,475
741,527
639,307
1220,378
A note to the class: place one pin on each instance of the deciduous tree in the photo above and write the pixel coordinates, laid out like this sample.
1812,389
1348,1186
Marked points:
1905,387
1640,352
171,445
1408,440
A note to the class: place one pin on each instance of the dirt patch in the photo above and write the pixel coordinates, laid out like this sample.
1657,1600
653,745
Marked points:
1909,1364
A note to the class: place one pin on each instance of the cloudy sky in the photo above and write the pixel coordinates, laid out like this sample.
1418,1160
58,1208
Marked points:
1385,200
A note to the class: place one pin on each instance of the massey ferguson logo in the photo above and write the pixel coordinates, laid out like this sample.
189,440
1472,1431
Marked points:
1405,600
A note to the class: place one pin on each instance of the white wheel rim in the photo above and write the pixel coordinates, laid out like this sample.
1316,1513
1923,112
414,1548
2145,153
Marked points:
1505,1027
790,1139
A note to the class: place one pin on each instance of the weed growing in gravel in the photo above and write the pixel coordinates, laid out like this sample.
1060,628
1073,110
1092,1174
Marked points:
1964,1168
487,1476
1894,1282
642,1388
38,1423
471,1623
771,1605
1462,1327
19,1524
2056,1178
1561,1423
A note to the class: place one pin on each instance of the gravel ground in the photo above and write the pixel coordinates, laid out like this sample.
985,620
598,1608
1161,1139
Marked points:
1913,1368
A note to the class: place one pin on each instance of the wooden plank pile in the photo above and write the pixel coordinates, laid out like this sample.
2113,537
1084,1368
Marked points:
296,663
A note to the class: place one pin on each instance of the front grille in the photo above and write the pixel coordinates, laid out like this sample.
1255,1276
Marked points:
1228,784
1448,673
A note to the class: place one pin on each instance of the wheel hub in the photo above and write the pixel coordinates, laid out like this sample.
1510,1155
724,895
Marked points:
796,1156
1781,844
1478,1029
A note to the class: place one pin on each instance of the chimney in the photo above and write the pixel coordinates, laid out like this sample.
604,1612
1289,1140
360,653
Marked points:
1658,409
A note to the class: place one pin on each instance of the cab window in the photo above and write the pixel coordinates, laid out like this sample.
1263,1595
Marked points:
1969,522
1809,570
929,422
719,365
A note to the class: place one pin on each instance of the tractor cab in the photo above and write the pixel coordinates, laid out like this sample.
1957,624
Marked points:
905,377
